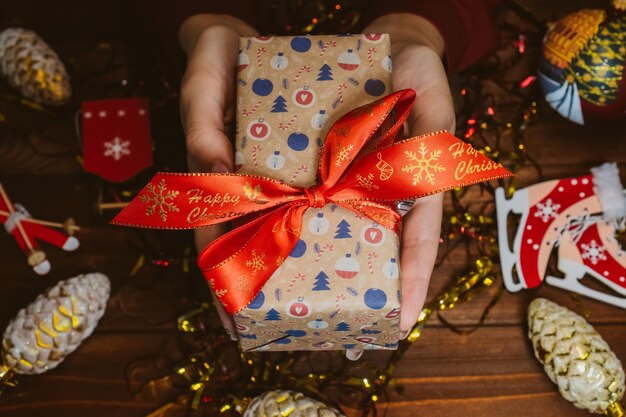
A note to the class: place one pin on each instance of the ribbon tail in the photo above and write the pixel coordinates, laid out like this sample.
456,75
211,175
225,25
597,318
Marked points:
415,168
187,201
349,135
239,263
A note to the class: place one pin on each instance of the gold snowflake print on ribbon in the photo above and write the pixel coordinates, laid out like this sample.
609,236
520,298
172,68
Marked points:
243,284
423,166
257,263
254,194
158,198
219,292
367,182
343,153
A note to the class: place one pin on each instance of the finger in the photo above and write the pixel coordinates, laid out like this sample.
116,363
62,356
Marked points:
225,318
205,235
420,241
207,99
420,68
354,354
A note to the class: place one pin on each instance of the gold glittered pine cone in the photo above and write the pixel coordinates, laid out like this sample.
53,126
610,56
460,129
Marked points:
33,68
288,403
55,324
576,358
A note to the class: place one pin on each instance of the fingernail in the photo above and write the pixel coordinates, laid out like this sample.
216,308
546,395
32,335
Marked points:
232,335
354,354
219,167
406,334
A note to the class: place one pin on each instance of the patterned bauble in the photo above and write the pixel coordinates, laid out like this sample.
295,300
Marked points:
288,403
32,67
55,324
576,358
582,70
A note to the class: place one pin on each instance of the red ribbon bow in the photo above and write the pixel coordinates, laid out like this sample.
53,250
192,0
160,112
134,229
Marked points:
365,182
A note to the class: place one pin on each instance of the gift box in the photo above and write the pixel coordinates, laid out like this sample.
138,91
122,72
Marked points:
340,287
312,260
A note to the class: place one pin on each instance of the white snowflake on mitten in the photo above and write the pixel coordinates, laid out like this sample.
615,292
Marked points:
117,148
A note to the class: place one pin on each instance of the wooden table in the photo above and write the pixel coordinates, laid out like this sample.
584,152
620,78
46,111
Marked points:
490,372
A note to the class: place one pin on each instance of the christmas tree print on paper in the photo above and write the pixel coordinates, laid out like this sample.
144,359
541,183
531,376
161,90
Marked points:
325,74
342,327
273,314
280,105
321,282
343,230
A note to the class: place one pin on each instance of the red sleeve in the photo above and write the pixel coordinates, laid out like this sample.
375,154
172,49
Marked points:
465,25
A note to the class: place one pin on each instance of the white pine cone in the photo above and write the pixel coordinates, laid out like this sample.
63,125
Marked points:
575,356
55,324
32,67
293,404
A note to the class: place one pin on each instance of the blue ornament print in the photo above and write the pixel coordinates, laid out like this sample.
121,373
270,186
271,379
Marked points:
374,87
298,141
375,298
296,333
262,87
299,249
301,44
258,301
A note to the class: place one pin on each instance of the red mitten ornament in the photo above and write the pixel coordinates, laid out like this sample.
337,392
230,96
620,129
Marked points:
116,138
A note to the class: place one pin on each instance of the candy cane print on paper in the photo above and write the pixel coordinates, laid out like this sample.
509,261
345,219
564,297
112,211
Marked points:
370,265
296,278
285,126
302,69
319,251
259,55
250,112
255,150
301,169
370,56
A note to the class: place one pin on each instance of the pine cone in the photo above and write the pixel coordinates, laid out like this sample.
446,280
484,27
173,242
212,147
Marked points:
293,404
55,324
32,67
575,357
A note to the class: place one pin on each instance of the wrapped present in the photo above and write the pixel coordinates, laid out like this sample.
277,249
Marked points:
313,263
340,287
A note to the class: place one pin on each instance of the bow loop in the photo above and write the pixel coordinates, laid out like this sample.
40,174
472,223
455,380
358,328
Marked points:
349,135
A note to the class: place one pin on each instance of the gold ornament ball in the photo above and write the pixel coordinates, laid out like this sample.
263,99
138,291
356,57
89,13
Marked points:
288,403
583,63
33,68
576,358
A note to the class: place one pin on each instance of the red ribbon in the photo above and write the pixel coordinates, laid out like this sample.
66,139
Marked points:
366,178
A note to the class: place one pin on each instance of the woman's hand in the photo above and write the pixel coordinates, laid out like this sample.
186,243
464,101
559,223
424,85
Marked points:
417,48
207,105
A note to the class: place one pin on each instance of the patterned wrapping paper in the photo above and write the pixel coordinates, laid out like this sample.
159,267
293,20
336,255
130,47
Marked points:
340,286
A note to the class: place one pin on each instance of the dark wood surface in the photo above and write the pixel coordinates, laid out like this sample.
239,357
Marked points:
490,372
